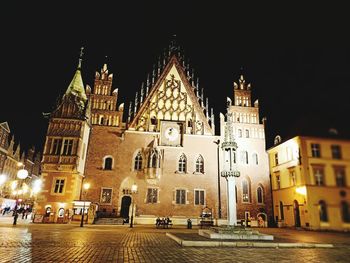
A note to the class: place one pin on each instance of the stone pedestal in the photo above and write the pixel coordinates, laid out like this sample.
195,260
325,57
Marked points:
236,232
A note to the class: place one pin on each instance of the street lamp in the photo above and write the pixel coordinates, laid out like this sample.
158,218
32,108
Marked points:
86,187
133,191
219,188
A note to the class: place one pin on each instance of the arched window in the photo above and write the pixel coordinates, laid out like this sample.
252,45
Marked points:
153,160
245,191
108,163
323,211
345,211
281,211
244,157
61,212
260,194
182,164
255,158
239,133
138,161
247,133
200,165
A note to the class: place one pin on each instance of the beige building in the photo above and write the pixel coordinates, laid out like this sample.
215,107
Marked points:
310,182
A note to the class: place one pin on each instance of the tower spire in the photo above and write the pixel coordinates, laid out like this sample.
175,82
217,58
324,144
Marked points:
80,57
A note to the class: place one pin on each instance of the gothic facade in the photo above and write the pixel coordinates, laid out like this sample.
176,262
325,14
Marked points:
167,147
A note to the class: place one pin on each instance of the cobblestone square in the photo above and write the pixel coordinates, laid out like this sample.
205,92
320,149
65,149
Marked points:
71,243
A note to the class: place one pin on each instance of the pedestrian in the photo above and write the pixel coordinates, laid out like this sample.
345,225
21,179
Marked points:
189,223
15,216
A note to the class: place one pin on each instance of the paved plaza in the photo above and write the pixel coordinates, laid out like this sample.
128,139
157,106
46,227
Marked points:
28,242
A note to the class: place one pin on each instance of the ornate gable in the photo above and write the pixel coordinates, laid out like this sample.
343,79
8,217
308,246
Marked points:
172,98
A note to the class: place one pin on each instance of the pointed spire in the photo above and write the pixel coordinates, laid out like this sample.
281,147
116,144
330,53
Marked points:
212,120
11,147
158,68
153,74
129,112
197,88
76,86
164,57
202,98
192,78
136,103
207,108
147,85
141,93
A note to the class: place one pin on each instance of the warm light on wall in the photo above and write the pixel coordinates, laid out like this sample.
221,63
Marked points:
301,190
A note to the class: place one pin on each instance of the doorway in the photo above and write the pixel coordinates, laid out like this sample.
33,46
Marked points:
124,211
296,213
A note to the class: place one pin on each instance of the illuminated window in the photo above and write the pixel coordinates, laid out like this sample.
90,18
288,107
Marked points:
152,195
180,197
336,152
319,176
138,161
199,197
106,195
323,211
245,190
182,164
315,150
200,165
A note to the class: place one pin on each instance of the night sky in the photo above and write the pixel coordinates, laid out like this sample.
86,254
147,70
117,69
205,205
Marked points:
296,57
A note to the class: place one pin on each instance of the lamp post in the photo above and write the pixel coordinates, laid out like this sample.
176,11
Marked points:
22,174
219,188
133,191
86,187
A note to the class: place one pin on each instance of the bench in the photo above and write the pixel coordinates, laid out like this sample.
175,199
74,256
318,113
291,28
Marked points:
161,223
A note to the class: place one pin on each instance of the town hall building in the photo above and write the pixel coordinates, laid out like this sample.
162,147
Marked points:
164,146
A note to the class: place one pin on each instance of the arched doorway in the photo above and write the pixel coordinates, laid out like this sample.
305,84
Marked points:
296,213
124,210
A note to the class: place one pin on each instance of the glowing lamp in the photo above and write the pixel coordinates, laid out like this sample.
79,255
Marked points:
301,190
2,178
22,174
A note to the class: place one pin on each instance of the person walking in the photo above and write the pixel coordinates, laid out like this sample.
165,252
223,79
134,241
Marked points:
15,216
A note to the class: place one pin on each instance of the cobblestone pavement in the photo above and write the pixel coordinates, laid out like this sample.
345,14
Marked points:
71,243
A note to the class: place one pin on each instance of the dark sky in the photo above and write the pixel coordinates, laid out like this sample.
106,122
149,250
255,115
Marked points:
296,56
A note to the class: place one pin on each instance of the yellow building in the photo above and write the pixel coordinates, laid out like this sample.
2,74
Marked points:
310,179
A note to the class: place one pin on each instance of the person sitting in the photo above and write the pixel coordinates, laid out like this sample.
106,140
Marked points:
158,221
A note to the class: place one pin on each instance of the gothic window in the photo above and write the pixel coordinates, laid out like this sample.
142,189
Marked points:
152,195
245,190
260,194
59,186
106,195
345,212
101,120
255,158
199,197
239,133
336,152
315,150
67,147
153,161
180,197
323,211
247,133
200,164
154,120
182,164
108,163
340,176
138,162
